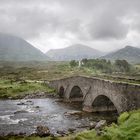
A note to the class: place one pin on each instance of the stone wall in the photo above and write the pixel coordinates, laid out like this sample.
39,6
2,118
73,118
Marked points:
124,96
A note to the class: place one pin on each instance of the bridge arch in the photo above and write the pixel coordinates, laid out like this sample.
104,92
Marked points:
124,96
61,92
76,92
115,102
103,103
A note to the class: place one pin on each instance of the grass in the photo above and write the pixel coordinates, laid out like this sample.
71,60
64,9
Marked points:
25,138
57,70
18,89
50,72
13,84
34,71
128,128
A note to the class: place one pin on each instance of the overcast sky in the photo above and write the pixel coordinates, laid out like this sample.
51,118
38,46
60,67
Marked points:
49,24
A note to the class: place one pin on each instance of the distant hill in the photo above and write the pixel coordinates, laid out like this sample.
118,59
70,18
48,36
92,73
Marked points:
13,48
74,52
129,53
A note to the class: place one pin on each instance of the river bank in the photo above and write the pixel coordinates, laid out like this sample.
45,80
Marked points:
34,105
35,111
127,128
20,89
23,117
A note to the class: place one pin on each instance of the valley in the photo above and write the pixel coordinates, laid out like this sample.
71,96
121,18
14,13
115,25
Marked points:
33,109
69,70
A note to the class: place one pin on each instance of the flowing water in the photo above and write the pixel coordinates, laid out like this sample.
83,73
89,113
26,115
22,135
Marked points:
46,112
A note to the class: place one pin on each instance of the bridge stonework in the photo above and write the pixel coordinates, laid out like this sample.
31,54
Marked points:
123,96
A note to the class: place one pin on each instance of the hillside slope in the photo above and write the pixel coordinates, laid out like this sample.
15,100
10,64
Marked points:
129,53
13,48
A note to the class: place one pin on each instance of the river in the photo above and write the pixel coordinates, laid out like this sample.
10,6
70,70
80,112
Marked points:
17,117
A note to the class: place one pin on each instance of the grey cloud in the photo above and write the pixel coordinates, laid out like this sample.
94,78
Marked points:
107,27
85,19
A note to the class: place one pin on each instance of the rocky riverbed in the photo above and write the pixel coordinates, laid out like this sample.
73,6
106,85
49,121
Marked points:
47,116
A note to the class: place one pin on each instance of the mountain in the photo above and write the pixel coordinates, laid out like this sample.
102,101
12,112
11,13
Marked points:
13,48
74,52
129,53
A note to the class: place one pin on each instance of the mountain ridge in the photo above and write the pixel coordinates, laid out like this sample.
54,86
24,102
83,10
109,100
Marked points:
73,52
129,53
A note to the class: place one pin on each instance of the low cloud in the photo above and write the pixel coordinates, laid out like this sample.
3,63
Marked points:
80,20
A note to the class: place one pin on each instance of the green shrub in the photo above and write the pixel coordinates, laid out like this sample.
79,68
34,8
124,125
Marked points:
123,117
127,129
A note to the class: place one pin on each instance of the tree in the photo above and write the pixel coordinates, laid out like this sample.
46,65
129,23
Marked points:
84,61
73,63
122,66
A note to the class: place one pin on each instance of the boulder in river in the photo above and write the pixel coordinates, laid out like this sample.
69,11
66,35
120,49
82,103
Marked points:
37,107
28,102
11,134
21,103
71,130
20,111
92,125
42,131
62,132
100,124
73,113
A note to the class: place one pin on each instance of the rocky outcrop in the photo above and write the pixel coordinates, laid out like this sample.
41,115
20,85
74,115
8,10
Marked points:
42,131
39,95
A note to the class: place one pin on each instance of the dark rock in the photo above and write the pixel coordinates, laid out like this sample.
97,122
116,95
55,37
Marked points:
22,134
20,111
83,126
37,107
25,103
35,95
62,132
16,134
73,113
34,134
71,130
21,103
29,101
59,100
11,134
42,131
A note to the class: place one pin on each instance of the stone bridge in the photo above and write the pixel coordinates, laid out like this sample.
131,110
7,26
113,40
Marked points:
98,94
